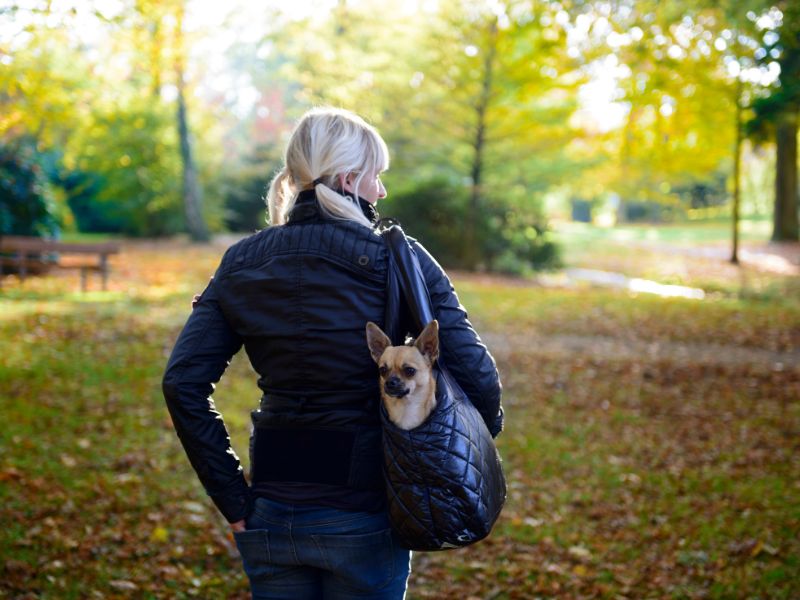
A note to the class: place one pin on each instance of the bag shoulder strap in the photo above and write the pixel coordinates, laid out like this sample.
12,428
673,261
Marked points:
410,278
405,268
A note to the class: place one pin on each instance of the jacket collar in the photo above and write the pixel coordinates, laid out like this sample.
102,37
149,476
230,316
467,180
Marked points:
307,208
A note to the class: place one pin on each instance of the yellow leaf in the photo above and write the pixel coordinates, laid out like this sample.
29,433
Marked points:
579,570
160,534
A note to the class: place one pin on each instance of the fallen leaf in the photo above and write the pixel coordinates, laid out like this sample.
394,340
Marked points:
533,522
579,552
9,473
159,534
122,584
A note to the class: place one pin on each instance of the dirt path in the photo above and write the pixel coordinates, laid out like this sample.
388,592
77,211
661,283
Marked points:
610,348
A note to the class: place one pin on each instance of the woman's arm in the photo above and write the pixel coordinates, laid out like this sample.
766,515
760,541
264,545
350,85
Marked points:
466,357
199,358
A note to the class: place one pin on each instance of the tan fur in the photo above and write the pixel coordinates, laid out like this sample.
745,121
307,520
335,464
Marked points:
394,362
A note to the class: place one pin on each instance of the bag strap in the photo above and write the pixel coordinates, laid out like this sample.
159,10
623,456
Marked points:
405,269
410,279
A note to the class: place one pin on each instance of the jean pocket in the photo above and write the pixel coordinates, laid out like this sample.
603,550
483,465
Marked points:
253,545
365,563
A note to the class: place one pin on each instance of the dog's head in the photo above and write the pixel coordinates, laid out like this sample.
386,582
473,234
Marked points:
404,370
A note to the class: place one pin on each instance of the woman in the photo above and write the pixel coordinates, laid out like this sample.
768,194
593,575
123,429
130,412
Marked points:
297,295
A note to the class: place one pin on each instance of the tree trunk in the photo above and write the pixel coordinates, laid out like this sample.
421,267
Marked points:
737,164
785,221
152,16
156,50
471,251
625,191
192,194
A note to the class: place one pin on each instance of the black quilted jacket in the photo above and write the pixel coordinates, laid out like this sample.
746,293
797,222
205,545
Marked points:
297,297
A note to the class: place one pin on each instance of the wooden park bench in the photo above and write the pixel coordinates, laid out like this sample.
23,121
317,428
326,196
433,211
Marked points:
33,255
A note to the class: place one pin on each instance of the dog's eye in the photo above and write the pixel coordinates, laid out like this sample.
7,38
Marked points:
409,371
383,370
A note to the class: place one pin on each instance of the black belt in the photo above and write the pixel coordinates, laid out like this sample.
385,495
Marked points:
321,401
334,456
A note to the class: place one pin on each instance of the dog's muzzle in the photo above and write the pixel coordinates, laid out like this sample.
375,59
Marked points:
394,387
397,393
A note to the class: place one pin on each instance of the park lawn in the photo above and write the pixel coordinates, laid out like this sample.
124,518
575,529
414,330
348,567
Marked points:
629,476
691,254
581,235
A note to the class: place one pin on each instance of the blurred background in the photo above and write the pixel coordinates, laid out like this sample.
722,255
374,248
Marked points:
504,120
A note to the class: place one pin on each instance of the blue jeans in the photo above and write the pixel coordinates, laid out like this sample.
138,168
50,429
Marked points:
296,552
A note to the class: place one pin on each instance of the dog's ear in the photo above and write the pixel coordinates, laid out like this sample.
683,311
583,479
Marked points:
428,341
377,341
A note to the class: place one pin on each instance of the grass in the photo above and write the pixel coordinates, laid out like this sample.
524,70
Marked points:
573,234
623,316
694,254
669,474
76,237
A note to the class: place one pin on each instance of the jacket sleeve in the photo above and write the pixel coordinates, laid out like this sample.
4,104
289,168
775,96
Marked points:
461,349
200,356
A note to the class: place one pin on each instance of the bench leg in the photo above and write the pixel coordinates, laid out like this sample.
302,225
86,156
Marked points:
104,270
23,268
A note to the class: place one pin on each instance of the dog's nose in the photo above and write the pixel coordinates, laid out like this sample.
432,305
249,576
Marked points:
394,386
394,383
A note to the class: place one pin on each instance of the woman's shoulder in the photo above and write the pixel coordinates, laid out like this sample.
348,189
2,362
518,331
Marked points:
336,239
426,259
238,252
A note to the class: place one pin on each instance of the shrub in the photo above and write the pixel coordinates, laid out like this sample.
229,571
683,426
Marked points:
509,240
433,212
27,201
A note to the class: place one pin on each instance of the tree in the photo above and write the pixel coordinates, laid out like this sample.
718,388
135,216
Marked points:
474,96
496,91
740,19
165,42
192,193
777,112
680,100
101,104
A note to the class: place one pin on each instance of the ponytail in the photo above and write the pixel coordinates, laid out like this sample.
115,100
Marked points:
338,206
325,144
280,197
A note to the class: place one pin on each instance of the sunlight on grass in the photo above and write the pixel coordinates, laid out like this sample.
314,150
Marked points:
693,255
11,311
569,232
635,285
757,229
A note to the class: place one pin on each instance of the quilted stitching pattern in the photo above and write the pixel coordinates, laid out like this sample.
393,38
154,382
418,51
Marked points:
444,480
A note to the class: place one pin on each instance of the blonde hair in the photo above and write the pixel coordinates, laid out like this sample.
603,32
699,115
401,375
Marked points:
326,143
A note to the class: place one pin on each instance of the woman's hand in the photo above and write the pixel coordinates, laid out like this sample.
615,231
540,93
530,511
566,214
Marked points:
238,526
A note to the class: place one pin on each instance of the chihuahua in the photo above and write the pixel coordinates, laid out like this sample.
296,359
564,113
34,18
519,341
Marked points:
408,386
